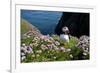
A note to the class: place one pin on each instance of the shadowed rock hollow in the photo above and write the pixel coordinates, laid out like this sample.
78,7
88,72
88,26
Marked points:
78,23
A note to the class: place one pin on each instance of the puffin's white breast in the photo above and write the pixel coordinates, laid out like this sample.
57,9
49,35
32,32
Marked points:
64,37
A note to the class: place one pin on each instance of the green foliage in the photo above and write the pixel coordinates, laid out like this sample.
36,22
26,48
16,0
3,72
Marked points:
27,40
76,52
41,53
56,37
72,42
25,26
29,58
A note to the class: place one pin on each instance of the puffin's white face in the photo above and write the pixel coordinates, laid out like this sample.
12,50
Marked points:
65,29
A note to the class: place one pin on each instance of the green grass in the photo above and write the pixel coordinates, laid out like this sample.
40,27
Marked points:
25,26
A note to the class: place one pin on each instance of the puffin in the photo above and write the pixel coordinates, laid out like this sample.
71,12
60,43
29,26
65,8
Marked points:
65,36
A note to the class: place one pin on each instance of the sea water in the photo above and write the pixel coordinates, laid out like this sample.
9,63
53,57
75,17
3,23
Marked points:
45,21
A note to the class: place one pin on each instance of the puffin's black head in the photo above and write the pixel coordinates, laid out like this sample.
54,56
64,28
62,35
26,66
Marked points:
65,30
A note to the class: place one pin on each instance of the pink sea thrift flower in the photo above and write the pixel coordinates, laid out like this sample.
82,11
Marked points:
68,50
43,47
62,48
49,46
23,57
57,43
29,49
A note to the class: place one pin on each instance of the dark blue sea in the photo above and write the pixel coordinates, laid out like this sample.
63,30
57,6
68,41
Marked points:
45,21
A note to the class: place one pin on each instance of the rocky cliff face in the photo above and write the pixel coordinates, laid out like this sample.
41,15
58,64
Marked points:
78,23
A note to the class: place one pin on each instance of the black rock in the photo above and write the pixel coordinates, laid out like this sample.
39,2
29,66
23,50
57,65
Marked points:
78,23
